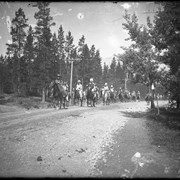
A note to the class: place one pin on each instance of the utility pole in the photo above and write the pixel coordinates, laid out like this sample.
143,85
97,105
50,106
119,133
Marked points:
71,79
71,76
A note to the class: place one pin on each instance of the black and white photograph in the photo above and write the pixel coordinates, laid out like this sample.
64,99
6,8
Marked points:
90,89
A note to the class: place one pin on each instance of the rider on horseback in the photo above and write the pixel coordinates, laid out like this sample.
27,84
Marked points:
91,83
111,88
59,79
65,86
120,89
79,86
138,96
106,88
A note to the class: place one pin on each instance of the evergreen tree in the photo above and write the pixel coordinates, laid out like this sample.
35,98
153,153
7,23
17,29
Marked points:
97,72
81,63
54,70
5,75
2,74
69,48
43,47
105,73
85,65
15,50
119,71
29,58
81,44
92,62
140,58
61,49
112,69
166,37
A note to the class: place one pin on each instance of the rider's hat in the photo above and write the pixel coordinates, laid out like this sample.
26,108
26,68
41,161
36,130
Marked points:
111,85
79,81
58,75
105,84
91,79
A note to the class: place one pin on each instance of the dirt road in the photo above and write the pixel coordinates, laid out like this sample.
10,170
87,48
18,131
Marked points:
82,142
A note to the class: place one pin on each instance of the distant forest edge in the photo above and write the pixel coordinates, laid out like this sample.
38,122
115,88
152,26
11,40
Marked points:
36,55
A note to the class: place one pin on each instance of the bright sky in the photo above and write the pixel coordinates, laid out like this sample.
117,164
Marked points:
99,22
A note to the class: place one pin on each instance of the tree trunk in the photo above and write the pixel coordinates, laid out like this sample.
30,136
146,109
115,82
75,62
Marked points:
152,100
43,95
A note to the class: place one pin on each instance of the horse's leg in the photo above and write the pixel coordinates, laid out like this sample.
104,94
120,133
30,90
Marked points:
64,103
86,101
74,101
94,102
81,101
57,104
60,102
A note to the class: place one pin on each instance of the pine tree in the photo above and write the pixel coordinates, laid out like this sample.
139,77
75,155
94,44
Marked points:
54,70
81,63
119,71
15,50
43,47
140,59
105,77
166,36
112,69
29,58
92,62
69,48
81,44
2,74
61,50
97,68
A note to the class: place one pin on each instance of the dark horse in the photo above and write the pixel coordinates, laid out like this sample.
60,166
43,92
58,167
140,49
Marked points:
121,96
127,96
112,96
148,98
78,95
91,96
58,93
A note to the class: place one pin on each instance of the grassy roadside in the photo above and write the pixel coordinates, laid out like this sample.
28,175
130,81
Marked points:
24,102
168,116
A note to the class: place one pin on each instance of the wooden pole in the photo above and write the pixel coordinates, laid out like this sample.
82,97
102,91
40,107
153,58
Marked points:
71,79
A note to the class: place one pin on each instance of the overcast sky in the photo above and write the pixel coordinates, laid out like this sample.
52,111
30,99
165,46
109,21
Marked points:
100,22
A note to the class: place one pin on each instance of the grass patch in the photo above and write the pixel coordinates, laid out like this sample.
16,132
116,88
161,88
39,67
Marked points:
24,102
169,117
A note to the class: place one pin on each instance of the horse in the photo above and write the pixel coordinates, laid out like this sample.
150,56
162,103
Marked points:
134,97
138,97
127,96
78,95
106,97
148,98
121,96
112,96
59,94
91,96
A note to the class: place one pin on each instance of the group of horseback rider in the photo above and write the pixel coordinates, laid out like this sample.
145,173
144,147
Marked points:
93,87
